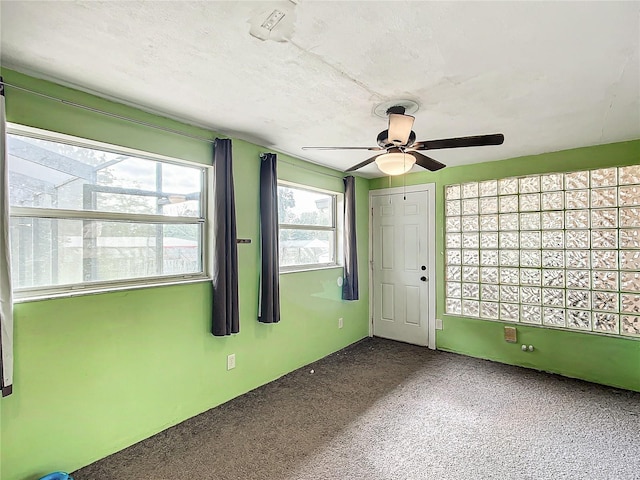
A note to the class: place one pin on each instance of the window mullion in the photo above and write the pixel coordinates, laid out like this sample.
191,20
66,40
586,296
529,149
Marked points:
55,213
290,226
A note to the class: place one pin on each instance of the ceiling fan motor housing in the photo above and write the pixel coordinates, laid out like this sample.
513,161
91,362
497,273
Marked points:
399,109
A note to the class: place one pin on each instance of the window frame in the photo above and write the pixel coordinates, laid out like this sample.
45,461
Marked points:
103,286
336,228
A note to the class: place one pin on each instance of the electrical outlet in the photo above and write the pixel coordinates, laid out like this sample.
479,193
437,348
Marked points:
340,323
438,324
231,361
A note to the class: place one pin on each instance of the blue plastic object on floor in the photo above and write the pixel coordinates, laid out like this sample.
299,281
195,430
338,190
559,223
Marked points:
57,476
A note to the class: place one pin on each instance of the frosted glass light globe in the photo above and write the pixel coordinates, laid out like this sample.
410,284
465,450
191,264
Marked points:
395,163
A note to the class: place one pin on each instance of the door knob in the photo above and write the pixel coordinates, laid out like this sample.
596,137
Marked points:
423,278
423,267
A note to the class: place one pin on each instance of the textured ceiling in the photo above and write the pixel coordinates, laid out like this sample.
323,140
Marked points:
549,75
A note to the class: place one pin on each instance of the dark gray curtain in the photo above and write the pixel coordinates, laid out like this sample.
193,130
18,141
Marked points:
350,283
269,310
226,319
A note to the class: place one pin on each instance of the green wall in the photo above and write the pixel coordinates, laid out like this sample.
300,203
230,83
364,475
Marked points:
597,358
96,373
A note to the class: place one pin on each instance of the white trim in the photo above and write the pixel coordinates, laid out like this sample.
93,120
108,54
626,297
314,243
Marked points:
430,189
105,287
370,262
431,242
310,268
425,187
208,230
307,266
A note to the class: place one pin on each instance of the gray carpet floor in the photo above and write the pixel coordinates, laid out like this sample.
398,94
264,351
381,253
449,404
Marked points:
386,410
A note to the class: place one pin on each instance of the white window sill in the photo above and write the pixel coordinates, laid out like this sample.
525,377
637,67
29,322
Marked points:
79,292
308,269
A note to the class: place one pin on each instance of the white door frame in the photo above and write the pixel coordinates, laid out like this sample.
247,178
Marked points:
430,188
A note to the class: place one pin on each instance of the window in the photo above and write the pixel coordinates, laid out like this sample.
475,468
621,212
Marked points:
97,217
558,250
308,227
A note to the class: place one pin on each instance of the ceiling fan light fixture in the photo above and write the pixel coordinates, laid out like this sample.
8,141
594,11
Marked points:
400,128
395,163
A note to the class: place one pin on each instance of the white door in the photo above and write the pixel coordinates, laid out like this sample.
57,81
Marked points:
402,260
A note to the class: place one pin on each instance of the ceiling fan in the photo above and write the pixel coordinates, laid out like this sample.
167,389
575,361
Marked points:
401,148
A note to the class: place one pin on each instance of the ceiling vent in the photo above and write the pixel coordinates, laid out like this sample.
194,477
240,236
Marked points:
276,23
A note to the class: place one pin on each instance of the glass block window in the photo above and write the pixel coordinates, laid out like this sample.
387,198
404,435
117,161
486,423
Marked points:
559,250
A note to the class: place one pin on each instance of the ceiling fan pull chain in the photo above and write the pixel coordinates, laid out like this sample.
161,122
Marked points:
404,186
404,178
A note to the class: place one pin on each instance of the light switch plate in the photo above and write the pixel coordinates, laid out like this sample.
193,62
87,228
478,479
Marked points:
438,324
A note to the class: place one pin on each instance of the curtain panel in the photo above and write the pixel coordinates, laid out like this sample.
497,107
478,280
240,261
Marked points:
6,295
269,309
350,283
225,312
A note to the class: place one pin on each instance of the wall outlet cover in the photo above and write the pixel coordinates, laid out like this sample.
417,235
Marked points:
231,361
438,324
510,334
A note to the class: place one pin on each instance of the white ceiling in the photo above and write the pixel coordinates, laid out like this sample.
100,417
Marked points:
549,75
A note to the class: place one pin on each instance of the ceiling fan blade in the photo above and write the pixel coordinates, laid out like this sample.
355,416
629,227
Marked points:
400,128
427,162
375,149
363,164
474,141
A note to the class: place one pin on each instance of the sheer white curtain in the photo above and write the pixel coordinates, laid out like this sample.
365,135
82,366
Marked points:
6,297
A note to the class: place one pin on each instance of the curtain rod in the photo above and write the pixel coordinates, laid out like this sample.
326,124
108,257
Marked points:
108,114
308,169
139,122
